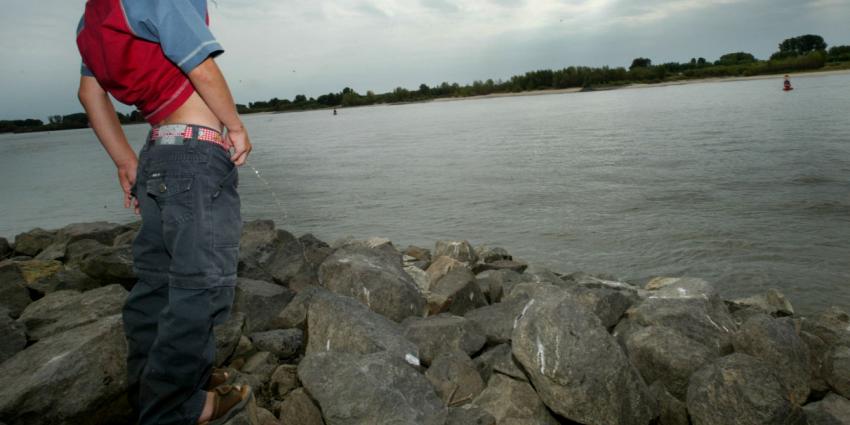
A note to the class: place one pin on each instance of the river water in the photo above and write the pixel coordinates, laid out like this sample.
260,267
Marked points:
735,182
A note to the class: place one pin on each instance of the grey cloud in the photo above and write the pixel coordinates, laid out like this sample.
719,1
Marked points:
440,5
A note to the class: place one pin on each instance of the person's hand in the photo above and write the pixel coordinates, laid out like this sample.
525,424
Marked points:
238,138
127,178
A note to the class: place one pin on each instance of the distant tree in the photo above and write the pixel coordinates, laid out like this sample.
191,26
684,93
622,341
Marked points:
300,99
736,58
839,53
701,61
641,63
55,119
424,89
799,46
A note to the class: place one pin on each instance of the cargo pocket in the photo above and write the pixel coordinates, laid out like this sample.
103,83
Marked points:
226,216
173,196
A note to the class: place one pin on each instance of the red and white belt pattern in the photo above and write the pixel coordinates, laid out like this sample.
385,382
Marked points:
174,134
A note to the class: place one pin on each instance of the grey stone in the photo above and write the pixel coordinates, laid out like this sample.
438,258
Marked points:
299,409
469,415
832,410
497,320
539,274
55,251
771,302
459,250
374,278
76,252
125,238
832,326
512,265
227,337
269,254
250,415
671,411
67,278
577,367
499,359
496,283
13,337
454,376
34,241
837,369
513,402
443,333
284,343
5,249
377,388
420,277
608,304
261,364
74,377
740,389
294,315
419,257
776,343
817,353
261,302
284,379
488,254
14,296
440,267
110,265
64,310
662,354
100,231
457,292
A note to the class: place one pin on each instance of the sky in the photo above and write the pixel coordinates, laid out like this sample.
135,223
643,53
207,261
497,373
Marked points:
280,48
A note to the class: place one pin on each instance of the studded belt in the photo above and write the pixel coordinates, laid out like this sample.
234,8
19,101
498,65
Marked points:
178,134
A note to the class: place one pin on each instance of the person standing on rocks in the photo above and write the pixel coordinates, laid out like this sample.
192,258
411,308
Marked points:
159,56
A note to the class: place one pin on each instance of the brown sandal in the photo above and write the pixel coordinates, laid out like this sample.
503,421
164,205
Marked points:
227,402
217,377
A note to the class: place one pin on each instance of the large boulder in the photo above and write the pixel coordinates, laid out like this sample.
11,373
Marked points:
441,267
340,324
513,402
832,326
14,296
671,411
283,343
444,333
261,302
294,315
497,320
609,304
469,415
496,283
75,377
377,388
417,257
13,337
455,377
110,265
100,231
662,354
771,302
76,252
776,343
499,359
459,250
832,410
299,409
63,310
375,278
577,367
34,241
836,369
740,389
457,292
269,254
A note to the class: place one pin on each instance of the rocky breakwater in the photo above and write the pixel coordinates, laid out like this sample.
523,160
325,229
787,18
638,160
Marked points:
361,332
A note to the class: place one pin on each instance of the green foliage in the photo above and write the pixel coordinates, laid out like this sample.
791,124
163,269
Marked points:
839,54
802,45
736,58
640,63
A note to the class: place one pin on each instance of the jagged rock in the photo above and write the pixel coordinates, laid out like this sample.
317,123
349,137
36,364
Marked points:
437,334
55,251
771,302
75,377
261,302
608,304
227,337
315,252
662,354
67,278
776,343
832,326
832,410
261,364
125,238
374,278
836,369
499,359
497,320
420,277
740,389
459,250
100,231
14,296
5,249
488,254
419,257
577,367
469,415
63,310
110,265
32,242
377,388
295,313
539,274
283,343
454,376
284,379
42,276
457,292
512,265
340,324
76,252
13,337
298,409
817,352
513,402
670,410
269,254
496,283
441,267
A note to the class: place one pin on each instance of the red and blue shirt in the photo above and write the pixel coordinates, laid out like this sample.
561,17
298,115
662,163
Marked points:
141,50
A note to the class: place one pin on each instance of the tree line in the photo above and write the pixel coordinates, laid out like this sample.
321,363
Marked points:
803,53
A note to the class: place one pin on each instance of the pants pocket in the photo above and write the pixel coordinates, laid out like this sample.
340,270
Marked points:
225,211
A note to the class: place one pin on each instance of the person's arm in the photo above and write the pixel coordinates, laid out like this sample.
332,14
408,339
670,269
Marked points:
210,84
104,122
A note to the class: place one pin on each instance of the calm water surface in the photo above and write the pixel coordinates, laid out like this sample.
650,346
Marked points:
735,182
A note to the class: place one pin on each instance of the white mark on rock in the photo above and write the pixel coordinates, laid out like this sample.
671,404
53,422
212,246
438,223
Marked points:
541,356
682,291
328,345
724,328
471,296
411,359
366,293
524,309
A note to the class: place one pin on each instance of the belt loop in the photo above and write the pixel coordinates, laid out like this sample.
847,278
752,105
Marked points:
193,138
148,140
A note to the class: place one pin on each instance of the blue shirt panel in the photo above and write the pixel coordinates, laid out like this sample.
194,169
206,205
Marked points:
84,70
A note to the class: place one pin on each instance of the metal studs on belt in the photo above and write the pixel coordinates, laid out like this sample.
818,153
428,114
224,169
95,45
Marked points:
162,188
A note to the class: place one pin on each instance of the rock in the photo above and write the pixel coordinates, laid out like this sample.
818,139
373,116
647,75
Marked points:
14,296
41,276
67,278
832,326
13,337
459,250
294,315
110,265
443,333
420,277
250,415
126,238
455,378
374,278
469,415
227,337
513,402
740,389
32,242
76,252
269,254
55,251
836,369
377,388
499,359
577,367
265,417
261,302
283,343
539,274
100,231
488,254
671,411
832,410
261,364
419,257
64,310
78,376
515,266
662,354
315,252
496,283
298,409
776,343
771,302
608,304
441,267
497,320
284,380
817,353
457,292
5,249
364,331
